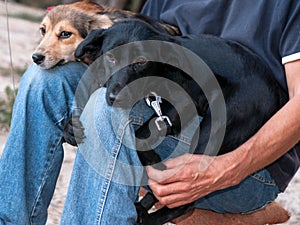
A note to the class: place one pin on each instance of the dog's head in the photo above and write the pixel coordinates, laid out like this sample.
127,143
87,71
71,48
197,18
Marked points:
125,63
63,28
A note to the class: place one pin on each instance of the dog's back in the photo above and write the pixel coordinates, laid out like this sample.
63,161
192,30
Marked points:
252,95
251,92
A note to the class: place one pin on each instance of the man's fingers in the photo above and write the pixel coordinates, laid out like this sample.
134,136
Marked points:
178,161
170,196
162,177
168,189
175,171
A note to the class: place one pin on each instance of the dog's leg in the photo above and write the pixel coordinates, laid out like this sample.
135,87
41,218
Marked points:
142,208
146,135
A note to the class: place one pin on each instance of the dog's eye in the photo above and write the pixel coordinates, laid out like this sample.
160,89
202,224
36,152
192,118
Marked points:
141,60
65,34
110,58
43,31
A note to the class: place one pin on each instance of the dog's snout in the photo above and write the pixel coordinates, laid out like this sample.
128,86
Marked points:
38,58
79,52
111,98
114,93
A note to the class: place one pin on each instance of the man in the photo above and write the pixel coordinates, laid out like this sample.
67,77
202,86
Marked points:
242,181
104,184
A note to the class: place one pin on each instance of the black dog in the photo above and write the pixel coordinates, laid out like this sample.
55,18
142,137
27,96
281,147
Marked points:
251,93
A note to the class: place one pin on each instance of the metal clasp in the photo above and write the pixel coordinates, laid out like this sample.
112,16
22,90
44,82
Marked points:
155,104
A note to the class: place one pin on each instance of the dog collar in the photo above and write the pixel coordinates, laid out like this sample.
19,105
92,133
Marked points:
49,9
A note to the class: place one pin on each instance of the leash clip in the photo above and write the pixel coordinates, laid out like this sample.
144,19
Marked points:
155,104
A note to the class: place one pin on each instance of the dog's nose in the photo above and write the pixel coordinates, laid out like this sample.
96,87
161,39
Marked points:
38,58
113,93
111,98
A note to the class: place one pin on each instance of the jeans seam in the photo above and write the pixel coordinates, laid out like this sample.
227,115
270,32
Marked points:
110,172
182,138
43,182
60,123
115,152
263,179
135,121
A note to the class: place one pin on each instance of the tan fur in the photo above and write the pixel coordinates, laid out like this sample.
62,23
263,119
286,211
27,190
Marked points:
62,18
78,18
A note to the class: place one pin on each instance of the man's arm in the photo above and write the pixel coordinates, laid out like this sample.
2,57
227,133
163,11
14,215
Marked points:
191,177
282,131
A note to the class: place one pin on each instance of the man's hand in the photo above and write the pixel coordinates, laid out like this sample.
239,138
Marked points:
190,177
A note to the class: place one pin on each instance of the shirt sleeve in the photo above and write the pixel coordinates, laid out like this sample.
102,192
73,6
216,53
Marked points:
290,41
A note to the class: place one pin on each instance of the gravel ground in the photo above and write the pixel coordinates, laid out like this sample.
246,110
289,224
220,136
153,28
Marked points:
24,37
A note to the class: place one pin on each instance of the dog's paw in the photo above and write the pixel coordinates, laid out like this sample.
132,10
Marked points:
73,133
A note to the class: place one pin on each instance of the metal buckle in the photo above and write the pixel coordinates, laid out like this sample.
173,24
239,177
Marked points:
155,104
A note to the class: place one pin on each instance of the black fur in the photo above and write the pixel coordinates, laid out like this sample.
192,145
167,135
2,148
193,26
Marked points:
251,93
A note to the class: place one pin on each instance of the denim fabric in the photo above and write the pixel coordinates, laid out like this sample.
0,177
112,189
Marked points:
252,194
107,173
33,154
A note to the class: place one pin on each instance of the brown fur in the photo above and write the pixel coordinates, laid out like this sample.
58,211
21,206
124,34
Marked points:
78,18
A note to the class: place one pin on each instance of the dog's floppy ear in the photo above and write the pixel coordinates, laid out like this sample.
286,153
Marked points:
91,46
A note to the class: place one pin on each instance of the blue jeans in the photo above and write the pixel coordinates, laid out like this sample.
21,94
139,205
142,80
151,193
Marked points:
107,172
33,154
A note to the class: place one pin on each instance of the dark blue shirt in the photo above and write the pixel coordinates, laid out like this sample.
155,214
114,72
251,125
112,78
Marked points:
271,28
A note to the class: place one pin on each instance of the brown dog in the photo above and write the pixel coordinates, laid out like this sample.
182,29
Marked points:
65,26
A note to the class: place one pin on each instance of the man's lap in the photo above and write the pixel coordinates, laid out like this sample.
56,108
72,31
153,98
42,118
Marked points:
253,193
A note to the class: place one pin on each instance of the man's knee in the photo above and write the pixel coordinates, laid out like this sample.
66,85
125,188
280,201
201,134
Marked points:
51,91
68,74
253,193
